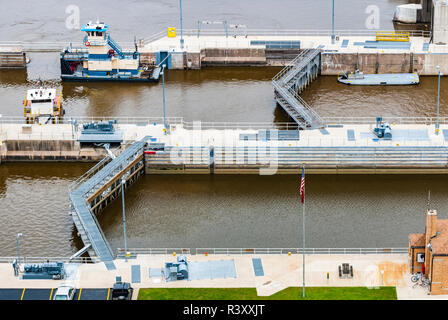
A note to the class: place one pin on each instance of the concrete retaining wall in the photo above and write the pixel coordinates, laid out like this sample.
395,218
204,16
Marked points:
245,57
48,150
12,59
337,63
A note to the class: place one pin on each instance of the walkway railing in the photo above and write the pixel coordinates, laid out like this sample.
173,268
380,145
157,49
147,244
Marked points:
229,124
294,77
168,251
26,260
277,32
241,251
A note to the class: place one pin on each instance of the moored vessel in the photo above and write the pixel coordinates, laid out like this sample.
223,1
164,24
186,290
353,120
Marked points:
43,106
359,78
103,59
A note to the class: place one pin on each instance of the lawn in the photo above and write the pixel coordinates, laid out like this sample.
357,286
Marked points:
291,293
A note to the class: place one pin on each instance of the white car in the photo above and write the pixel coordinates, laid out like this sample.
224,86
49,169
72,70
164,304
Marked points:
65,292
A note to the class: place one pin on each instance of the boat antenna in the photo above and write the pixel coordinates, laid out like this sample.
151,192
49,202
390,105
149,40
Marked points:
429,199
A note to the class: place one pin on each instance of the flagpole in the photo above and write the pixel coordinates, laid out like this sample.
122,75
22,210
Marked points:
303,240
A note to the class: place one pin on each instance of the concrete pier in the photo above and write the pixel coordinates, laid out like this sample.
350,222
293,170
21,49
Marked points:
280,272
210,148
12,57
349,52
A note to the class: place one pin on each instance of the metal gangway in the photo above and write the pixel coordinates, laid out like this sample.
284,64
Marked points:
95,189
291,80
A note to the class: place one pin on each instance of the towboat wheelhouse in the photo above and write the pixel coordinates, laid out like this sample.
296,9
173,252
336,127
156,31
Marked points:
102,59
42,106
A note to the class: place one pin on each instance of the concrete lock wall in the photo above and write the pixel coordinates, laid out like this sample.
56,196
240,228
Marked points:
42,145
177,60
49,150
440,25
338,63
247,56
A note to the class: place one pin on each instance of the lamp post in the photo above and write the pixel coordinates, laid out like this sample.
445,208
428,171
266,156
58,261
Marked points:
19,235
123,183
163,90
438,101
181,31
332,25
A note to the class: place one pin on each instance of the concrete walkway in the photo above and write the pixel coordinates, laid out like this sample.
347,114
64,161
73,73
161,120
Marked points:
280,271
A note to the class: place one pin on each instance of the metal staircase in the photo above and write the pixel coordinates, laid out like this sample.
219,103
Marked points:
115,46
93,188
293,79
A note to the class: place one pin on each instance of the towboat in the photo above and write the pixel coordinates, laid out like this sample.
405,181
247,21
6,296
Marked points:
102,59
386,79
42,106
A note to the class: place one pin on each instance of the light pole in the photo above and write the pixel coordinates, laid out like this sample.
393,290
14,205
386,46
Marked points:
19,235
123,183
181,31
438,101
163,90
332,25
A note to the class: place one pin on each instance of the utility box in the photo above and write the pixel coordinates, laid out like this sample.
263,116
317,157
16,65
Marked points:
171,32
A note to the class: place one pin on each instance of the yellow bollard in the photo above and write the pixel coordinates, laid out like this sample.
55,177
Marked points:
398,144
289,253
174,254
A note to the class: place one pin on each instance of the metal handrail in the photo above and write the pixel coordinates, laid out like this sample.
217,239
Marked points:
286,32
234,125
26,259
240,251
121,251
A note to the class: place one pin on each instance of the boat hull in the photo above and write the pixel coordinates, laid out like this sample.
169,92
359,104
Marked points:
397,79
99,79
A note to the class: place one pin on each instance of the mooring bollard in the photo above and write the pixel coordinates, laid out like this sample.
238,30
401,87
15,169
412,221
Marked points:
289,253
174,253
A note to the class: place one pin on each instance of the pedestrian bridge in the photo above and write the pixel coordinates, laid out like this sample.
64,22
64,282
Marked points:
291,81
95,189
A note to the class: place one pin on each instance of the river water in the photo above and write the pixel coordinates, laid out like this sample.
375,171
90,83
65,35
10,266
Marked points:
211,211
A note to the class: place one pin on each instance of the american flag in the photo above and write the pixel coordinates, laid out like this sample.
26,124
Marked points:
302,185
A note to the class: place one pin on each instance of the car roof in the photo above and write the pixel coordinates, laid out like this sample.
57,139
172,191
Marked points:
63,289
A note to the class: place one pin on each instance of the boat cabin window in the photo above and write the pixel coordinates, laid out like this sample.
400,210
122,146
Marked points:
41,101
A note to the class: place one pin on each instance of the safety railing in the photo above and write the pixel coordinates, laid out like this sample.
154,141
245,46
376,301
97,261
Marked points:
277,32
151,251
27,260
232,124
242,251
90,173
393,36
390,119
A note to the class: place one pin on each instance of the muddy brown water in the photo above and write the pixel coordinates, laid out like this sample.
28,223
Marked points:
210,211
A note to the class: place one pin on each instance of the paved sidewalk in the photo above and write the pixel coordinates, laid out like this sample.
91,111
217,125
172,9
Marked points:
280,271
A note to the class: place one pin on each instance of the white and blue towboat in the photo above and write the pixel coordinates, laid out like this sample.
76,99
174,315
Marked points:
387,79
102,59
